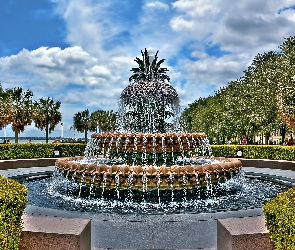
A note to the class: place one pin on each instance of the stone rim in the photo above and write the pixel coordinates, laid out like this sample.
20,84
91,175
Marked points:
189,176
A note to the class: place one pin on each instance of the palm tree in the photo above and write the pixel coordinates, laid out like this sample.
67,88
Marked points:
20,109
83,122
148,70
47,115
104,120
5,107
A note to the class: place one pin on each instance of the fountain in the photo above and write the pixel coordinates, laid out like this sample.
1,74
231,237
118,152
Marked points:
148,185
148,151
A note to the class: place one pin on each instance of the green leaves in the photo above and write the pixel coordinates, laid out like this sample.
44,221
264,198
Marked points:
47,114
16,108
83,122
39,150
259,102
255,151
13,201
104,120
280,220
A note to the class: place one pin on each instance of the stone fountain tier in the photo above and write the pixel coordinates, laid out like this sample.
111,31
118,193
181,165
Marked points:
152,177
148,142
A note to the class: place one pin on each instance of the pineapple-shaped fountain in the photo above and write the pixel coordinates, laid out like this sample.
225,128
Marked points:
148,150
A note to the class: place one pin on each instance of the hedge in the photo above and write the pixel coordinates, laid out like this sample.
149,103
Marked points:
280,220
13,201
45,150
255,151
39,150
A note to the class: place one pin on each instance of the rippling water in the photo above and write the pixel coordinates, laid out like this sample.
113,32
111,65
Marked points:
238,193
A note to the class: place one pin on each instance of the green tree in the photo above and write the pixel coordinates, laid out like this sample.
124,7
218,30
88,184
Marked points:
286,82
83,123
20,109
47,115
103,120
262,101
5,108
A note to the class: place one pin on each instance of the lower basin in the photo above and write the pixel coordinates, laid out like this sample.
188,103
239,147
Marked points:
239,193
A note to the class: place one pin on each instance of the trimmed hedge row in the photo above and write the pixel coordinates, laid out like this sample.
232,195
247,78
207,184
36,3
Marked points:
13,201
46,150
280,220
255,151
39,150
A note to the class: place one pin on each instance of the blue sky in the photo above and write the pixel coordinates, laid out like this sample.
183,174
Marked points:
81,52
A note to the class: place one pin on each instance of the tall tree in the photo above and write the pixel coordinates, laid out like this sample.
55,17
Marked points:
47,115
20,111
104,120
5,108
83,123
286,82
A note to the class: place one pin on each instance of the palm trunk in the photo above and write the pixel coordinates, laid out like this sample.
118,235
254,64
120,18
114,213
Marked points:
86,135
46,133
16,136
283,131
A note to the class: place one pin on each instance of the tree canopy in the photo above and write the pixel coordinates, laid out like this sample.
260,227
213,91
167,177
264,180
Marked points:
47,115
262,101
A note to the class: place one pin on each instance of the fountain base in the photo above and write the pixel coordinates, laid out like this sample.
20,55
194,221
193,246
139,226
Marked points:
149,177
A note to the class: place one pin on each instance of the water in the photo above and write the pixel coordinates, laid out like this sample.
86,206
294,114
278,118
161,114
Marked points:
39,139
26,140
238,193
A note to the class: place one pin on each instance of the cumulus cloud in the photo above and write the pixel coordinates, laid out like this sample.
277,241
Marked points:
239,29
50,70
158,5
206,43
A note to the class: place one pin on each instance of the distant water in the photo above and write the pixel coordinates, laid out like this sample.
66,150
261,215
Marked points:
26,139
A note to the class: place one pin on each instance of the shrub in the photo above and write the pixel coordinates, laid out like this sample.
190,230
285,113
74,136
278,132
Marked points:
39,150
70,149
280,220
256,151
13,201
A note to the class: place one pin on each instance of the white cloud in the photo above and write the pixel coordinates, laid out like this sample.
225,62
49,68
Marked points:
158,5
193,8
206,43
49,70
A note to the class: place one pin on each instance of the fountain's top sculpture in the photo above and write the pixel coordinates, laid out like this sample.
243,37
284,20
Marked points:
149,104
149,69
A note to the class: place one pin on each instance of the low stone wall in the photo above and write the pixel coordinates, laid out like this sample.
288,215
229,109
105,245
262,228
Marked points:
247,233
27,163
265,163
55,233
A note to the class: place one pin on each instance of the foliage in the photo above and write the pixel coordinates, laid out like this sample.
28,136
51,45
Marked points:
260,102
47,115
39,150
104,120
255,151
286,82
5,107
18,109
70,149
280,220
148,70
13,201
83,123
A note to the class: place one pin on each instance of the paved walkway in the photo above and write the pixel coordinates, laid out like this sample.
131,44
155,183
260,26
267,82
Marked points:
178,231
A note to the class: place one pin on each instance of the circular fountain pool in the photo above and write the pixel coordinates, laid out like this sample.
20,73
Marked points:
239,193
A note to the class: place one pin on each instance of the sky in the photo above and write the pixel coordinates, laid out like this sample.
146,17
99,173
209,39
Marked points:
81,52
